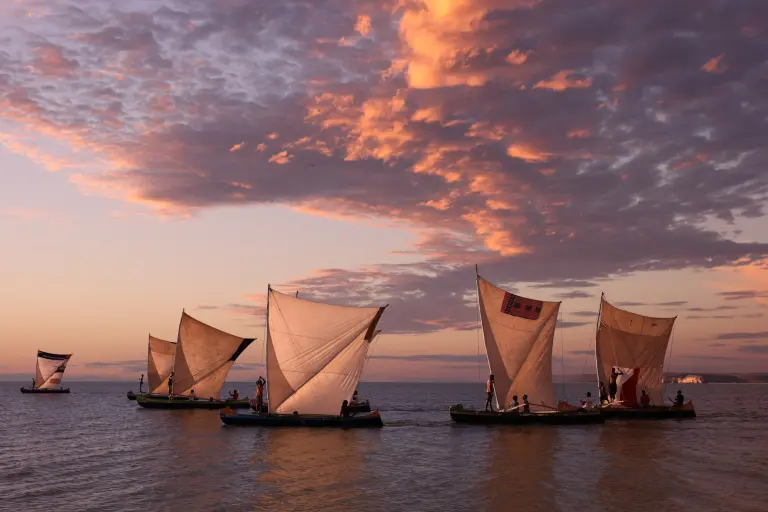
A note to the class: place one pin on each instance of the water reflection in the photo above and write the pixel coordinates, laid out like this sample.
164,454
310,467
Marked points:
634,474
521,469
314,468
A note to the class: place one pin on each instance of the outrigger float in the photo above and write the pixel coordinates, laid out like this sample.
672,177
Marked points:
634,347
519,334
48,373
316,353
202,359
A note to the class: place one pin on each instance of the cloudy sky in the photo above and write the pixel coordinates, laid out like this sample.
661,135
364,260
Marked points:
165,154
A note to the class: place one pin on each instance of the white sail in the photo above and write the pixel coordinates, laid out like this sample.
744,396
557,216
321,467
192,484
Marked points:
204,356
160,357
315,353
519,334
636,345
50,369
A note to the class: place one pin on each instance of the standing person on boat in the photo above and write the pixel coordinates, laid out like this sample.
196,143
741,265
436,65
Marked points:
489,389
170,385
679,399
645,399
354,397
612,385
526,405
33,383
192,394
344,409
515,404
234,394
141,383
603,394
260,392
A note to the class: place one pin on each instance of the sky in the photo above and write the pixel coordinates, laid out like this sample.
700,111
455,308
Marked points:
160,155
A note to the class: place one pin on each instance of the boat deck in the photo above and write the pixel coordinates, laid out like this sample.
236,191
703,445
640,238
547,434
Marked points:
371,420
44,391
526,418
653,412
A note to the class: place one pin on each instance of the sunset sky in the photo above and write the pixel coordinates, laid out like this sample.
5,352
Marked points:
165,154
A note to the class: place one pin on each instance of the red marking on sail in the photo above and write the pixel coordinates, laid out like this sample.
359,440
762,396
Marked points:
628,393
520,306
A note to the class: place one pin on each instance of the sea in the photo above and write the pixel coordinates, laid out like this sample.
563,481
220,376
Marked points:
94,450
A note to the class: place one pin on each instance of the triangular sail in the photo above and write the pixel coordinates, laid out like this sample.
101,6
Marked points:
519,334
50,369
160,357
315,353
204,356
636,345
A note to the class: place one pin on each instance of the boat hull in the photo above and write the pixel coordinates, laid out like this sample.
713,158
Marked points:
372,420
517,418
131,395
186,403
654,412
44,391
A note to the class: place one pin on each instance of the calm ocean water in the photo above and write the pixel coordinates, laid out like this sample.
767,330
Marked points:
95,450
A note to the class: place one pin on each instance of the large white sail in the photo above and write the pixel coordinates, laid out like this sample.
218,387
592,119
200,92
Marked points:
204,356
315,353
50,369
636,345
160,358
519,334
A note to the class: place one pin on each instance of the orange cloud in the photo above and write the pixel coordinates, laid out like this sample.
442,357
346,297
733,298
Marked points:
517,57
237,147
527,153
281,158
715,64
562,80
363,25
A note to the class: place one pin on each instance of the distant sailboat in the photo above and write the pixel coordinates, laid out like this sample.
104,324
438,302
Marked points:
160,357
49,372
316,353
636,346
204,355
519,334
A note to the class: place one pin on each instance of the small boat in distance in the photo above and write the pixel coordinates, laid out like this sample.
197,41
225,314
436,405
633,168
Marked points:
316,353
519,334
630,350
160,357
203,357
49,372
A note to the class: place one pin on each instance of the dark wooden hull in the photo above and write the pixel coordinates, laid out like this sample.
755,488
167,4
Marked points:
131,395
655,412
372,420
516,418
150,402
44,391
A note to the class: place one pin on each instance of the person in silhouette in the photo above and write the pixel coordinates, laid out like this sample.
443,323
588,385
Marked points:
192,394
515,404
603,393
526,405
645,399
679,399
33,383
141,383
612,385
587,403
260,393
489,389
354,397
170,385
344,409
234,394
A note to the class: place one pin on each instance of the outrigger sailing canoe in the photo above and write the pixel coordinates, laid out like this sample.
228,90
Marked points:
160,357
519,334
316,353
49,372
636,345
203,358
